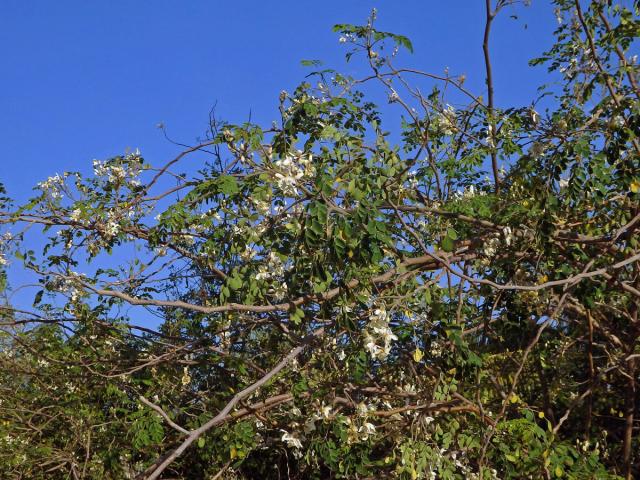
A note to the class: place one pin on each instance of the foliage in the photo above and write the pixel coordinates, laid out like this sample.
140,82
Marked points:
347,294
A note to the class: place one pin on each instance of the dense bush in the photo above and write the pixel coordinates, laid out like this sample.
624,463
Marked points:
333,297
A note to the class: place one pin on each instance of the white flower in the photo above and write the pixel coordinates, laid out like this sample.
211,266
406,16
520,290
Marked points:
291,169
378,336
111,229
362,409
75,215
279,291
508,235
446,120
291,440
310,425
535,116
559,18
491,246
343,39
563,183
51,186
367,429
99,168
3,261
186,378
489,137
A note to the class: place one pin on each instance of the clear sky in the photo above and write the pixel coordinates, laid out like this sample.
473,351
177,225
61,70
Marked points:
87,79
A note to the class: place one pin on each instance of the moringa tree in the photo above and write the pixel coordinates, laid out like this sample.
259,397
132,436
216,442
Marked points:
332,297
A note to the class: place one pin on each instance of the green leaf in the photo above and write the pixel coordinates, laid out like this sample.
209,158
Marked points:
228,184
235,283
311,63
447,244
38,298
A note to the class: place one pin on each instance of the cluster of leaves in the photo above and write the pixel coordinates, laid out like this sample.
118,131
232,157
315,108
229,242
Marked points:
327,298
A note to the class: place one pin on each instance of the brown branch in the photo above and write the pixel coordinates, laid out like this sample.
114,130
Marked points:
225,413
490,15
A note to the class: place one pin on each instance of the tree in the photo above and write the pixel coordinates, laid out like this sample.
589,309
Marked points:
333,299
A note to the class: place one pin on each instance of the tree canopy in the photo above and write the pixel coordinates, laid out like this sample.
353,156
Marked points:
416,284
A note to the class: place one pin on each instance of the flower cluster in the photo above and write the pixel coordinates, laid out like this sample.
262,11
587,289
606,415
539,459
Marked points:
4,242
358,433
292,442
291,169
53,186
273,268
445,121
273,271
378,336
493,243
120,170
491,246
70,285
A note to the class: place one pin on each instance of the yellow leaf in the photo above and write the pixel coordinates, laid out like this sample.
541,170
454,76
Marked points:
514,398
540,414
417,355
635,186
234,453
558,472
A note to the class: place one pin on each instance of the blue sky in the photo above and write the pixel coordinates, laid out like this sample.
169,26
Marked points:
87,79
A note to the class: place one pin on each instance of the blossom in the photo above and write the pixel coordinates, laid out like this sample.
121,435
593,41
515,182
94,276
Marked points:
535,116
291,170
378,337
558,14
446,120
508,235
366,430
52,186
111,229
291,440
186,378
279,291
75,215
491,246
489,137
